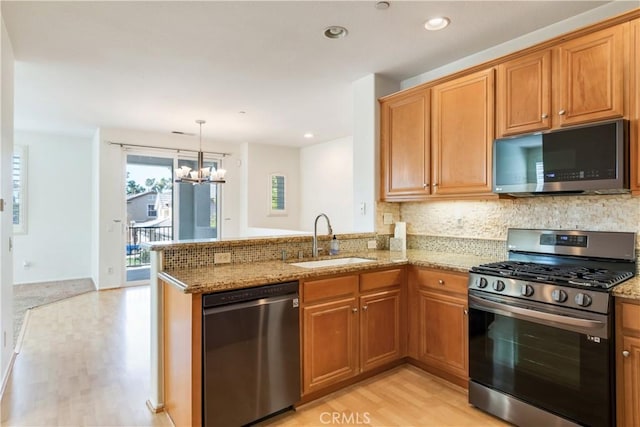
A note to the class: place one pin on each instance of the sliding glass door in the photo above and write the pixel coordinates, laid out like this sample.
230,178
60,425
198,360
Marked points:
159,209
199,205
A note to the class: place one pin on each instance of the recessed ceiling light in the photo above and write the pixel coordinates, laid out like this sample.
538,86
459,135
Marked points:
242,112
335,32
437,23
382,5
308,135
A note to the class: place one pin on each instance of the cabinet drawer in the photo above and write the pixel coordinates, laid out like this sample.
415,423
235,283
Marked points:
380,279
317,290
441,280
630,317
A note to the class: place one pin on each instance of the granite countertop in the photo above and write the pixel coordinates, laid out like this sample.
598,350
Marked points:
236,276
629,289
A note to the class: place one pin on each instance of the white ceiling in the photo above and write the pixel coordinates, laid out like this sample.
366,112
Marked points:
158,66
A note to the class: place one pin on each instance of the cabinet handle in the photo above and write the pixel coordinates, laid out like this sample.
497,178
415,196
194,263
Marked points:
626,353
562,112
355,310
425,185
440,282
465,311
365,307
435,184
544,115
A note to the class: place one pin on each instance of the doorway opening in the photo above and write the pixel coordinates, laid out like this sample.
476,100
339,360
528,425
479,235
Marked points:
149,196
158,209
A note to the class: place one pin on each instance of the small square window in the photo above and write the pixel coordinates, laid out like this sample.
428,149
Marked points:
277,191
151,211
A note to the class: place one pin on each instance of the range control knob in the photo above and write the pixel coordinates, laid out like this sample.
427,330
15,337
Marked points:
583,300
482,283
559,295
526,290
498,286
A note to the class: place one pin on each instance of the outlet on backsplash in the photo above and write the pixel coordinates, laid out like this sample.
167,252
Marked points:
222,258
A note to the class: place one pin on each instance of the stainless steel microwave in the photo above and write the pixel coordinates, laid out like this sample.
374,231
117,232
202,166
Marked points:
587,159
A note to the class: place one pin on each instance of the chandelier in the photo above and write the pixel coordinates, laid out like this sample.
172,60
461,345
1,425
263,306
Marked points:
200,175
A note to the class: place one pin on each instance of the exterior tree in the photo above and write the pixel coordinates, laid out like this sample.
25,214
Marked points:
134,188
158,186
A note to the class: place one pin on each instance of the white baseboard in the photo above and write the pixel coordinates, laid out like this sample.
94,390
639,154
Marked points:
7,374
16,351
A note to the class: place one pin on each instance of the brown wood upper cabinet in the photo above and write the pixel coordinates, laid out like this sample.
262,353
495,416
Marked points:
404,132
523,94
578,81
634,101
462,133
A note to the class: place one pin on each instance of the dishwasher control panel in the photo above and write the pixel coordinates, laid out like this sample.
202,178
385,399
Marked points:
249,294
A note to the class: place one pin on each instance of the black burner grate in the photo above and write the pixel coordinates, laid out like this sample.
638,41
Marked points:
570,275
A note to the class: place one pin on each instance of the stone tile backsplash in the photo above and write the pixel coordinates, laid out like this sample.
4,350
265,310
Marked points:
490,219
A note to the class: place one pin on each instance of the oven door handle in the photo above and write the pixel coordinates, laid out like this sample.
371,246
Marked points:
512,310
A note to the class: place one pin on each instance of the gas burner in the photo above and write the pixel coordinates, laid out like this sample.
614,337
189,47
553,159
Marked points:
568,275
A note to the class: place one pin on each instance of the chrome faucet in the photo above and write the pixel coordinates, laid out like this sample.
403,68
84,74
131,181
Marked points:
314,249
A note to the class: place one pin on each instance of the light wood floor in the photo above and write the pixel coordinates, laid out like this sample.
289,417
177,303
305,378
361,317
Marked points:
85,361
404,396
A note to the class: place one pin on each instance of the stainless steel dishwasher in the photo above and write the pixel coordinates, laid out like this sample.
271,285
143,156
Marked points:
251,353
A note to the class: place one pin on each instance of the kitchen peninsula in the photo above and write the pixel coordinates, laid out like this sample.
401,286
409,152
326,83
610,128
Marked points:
402,282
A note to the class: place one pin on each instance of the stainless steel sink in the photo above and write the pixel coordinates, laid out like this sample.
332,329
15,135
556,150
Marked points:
336,262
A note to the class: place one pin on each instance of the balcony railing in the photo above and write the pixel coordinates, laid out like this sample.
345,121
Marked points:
136,255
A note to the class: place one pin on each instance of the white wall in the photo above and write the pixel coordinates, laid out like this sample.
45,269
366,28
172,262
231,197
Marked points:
366,137
109,206
326,177
95,205
57,244
261,162
6,222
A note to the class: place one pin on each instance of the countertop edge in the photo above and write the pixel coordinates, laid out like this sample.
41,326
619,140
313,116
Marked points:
173,281
224,277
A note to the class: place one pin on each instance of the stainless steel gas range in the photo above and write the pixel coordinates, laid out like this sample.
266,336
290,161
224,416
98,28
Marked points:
541,327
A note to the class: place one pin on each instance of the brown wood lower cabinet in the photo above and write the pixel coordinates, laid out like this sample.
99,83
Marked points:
330,343
351,324
380,325
182,324
628,362
438,332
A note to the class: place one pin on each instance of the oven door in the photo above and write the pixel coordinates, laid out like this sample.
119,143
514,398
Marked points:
543,355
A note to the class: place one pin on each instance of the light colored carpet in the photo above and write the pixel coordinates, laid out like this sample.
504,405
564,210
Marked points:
37,294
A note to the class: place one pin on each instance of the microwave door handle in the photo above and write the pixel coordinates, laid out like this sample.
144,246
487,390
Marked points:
533,315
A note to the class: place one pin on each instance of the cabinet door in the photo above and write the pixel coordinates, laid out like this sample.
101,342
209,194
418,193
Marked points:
330,343
404,131
462,134
523,94
380,329
634,101
631,380
443,332
590,77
